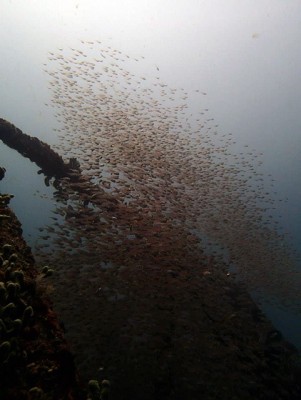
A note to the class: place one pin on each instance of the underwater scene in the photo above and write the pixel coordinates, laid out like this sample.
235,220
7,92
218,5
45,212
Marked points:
179,123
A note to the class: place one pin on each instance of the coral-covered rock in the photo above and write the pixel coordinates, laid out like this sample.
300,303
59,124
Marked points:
34,355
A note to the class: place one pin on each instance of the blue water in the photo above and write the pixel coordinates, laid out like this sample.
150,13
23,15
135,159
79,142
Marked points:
33,200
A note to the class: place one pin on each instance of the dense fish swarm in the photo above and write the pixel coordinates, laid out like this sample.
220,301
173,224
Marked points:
136,138
161,192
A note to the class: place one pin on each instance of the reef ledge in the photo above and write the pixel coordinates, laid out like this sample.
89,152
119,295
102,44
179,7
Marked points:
35,149
35,359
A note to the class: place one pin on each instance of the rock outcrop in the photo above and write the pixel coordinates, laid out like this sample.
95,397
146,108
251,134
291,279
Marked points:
34,149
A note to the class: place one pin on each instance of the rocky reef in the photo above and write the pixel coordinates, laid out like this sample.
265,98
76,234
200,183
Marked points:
34,149
2,173
35,360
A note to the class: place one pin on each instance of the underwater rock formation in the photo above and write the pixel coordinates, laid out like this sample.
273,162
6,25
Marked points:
2,172
34,356
37,151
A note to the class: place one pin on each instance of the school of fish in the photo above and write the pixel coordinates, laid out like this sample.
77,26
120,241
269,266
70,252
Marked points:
161,188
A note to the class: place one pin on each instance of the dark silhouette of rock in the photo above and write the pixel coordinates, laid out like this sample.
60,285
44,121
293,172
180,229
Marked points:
37,151
2,172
